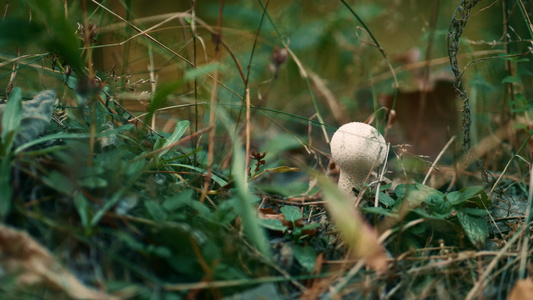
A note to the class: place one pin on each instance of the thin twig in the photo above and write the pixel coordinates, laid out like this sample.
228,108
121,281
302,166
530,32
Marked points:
381,175
247,125
396,84
437,159
247,78
196,113
508,164
481,281
304,75
143,32
525,241
334,290
246,81
87,42
212,112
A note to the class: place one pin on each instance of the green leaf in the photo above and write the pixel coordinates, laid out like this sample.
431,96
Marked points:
291,213
178,200
94,170
5,147
81,204
310,226
186,198
273,224
475,228
159,251
61,135
378,211
179,130
421,212
430,195
93,182
417,194
13,111
11,118
117,196
225,212
481,199
159,143
459,197
520,126
386,199
440,209
18,32
59,182
510,79
201,70
475,212
160,97
437,205
385,186
203,211
215,178
306,256
6,189
155,211
250,220
133,169
402,189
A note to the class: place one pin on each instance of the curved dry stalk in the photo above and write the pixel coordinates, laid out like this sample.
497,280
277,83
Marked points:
525,243
438,158
304,75
212,112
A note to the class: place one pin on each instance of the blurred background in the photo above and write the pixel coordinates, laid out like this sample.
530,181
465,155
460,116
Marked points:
334,70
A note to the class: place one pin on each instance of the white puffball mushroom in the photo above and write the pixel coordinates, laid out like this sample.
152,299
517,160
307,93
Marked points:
356,147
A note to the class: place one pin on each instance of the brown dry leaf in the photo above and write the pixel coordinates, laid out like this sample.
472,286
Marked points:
32,264
356,233
269,214
522,290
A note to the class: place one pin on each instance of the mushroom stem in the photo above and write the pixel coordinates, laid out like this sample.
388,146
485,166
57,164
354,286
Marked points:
347,183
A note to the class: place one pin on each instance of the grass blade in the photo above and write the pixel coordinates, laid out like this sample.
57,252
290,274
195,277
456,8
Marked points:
11,119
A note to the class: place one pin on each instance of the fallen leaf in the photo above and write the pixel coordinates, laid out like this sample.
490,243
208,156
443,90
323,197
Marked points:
32,264
522,290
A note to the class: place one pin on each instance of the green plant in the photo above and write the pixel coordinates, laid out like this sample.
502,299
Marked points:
467,208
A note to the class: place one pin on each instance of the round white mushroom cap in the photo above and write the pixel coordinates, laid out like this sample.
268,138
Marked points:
356,147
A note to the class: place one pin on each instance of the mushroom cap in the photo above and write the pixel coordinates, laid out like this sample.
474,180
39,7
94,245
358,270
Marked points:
355,147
